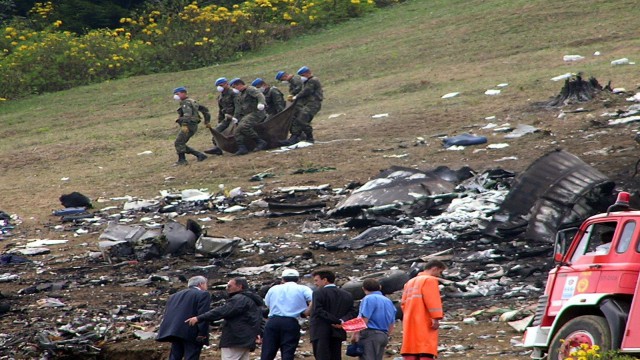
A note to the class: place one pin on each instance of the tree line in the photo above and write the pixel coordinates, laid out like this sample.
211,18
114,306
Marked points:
80,16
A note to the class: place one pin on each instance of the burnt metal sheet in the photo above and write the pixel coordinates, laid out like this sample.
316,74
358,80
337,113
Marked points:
557,189
213,246
396,185
180,240
132,234
368,237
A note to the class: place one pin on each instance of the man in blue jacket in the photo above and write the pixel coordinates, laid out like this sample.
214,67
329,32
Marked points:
242,315
186,341
379,314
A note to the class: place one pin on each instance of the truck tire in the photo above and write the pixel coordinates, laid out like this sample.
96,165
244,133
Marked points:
586,329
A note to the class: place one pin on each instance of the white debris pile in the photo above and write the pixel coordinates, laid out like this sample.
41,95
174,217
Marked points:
463,215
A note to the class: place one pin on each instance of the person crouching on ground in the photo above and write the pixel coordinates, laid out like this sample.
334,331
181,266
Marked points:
252,105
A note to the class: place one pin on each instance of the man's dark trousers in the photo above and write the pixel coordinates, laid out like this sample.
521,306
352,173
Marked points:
282,333
327,349
190,350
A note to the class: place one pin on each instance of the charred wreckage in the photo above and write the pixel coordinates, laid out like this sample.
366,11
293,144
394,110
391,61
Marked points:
494,228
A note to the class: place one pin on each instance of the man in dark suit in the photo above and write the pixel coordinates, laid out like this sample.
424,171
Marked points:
330,307
186,341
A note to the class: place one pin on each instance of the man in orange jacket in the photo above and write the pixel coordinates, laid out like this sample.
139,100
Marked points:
422,311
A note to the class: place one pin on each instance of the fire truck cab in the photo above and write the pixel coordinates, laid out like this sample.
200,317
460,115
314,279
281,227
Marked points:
592,295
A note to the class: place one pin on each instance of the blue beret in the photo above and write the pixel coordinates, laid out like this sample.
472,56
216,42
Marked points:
180,89
234,81
257,82
220,81
279,75
303,70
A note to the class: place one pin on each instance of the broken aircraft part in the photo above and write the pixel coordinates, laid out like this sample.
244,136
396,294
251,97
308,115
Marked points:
406,187
558,189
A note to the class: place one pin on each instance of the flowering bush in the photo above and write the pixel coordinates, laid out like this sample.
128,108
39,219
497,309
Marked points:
593,352
36,57
585,352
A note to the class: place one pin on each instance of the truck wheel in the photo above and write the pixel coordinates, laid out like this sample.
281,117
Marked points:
587,329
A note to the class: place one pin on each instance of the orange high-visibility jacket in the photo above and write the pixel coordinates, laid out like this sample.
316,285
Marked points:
421,304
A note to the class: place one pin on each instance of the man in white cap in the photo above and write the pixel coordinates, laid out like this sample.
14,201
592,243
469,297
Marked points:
287,302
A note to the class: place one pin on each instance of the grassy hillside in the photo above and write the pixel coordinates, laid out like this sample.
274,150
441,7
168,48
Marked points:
399,61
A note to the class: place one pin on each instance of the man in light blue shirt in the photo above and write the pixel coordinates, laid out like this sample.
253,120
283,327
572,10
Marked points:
379,313
286,302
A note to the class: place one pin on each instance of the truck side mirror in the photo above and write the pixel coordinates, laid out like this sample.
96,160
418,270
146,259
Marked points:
563,239
557,257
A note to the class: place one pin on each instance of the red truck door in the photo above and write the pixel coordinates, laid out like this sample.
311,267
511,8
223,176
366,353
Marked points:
585,264
631,337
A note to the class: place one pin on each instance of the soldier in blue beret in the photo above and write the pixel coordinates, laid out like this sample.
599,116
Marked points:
273,96
252,105
294,81
309,100
188,119
227,110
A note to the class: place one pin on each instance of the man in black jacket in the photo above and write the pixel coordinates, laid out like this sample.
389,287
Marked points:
242,315
186,341
330,307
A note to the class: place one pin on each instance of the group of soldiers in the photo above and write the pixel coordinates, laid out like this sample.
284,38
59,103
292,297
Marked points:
243,107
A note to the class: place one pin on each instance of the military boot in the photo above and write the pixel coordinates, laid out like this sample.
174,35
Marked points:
242,150
182,160
310,136
293,139
200,156
214,151
260,145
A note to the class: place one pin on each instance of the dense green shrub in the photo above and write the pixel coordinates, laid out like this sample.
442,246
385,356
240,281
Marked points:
36,56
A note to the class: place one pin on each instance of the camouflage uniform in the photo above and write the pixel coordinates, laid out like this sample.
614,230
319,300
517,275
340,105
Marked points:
249,115
309,100
188,114
295,85
275,100
227,105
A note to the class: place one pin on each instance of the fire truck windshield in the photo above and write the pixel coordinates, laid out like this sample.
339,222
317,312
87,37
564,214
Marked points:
596,240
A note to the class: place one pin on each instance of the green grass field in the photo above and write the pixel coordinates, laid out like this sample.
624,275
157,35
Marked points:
399,60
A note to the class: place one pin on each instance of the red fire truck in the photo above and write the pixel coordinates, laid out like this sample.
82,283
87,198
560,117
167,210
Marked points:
592,296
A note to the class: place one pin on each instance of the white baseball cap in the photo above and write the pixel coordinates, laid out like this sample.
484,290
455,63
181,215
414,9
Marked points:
290,273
